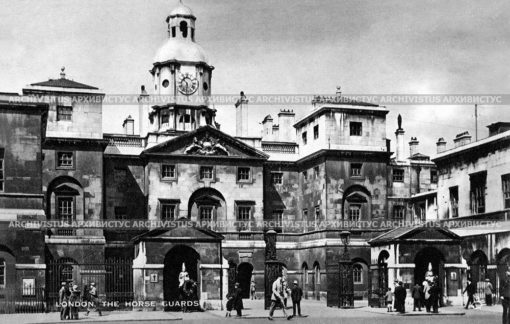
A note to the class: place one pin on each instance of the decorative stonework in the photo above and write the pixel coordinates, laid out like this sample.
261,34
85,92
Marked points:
207,146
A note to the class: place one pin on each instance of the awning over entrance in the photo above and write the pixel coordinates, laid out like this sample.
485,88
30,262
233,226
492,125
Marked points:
421,233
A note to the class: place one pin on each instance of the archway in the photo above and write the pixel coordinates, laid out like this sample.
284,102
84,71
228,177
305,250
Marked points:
382,272
206,204
360,278
316,280
356,203
478,266
244,272
174,260
426,256
503,263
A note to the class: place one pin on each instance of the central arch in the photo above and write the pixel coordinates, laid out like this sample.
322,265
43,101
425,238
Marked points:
426,256
174,259
206,204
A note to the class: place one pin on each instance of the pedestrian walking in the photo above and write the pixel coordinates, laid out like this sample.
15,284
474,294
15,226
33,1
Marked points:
489,290
470,290
237,300
252,289
389,299
63,300
416,292
400,297
75,300
286,292
277,298
296,294
94,298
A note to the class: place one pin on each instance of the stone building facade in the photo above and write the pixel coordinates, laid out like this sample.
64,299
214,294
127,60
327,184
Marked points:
306,178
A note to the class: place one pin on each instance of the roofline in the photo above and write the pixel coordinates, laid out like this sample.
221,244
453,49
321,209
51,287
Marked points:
343,107
505,136
43,89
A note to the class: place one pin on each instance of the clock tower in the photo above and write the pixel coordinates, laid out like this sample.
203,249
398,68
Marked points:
181,78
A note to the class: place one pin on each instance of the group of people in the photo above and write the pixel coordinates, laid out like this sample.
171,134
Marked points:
69,298
280,292
428,294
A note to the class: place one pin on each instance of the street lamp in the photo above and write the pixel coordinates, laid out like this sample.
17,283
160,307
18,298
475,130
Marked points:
346,284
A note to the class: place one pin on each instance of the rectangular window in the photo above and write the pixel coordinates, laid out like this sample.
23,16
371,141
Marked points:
316,132
355,128
165,116
305,174
433,176
305,214
316,171
276,178
168,172
399,212
244,213
65,160
243,174
64,113
317,216
356,169
168,211
2,170
398,175
478,182
357,274
120,212
304,138
454,201
65,208
505,181
206,172
278,218
354,212
3,266
206,213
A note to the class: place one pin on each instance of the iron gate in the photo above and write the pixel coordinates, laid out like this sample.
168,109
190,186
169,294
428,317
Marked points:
113,279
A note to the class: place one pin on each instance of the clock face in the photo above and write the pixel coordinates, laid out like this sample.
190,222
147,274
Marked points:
187,83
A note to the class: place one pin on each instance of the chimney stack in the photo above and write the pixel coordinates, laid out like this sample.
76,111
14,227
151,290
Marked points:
143,112
413,146
441,145
267,128
129,125
399,133
462,139
242,116
286,118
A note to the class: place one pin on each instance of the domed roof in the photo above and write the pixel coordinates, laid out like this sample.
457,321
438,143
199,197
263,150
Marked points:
179,49
181,10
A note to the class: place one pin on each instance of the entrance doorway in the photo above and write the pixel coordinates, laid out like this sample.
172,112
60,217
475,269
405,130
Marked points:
174,260
244,272
426,256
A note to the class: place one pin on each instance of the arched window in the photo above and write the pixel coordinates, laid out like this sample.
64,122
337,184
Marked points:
2,272
317,271
357,273
183,26
305,273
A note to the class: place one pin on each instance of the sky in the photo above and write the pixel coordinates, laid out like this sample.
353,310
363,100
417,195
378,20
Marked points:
277,47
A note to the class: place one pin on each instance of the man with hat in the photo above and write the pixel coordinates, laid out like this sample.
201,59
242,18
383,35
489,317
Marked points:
296,295
94,298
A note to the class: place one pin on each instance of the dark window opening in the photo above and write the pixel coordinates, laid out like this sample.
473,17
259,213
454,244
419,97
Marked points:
505,180
304,138
398,175
354,212
186,118
168,211
65,159
454,201
433,176
168,171
206,172
276,178
356,169
183,26
316,132
165,83
2,272
478,183
206,86
355,128
64,112
173,31
243,174
399,212
120,212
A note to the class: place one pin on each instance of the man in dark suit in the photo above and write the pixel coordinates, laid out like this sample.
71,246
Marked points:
296,295
400,297
470,290
417,292
505,297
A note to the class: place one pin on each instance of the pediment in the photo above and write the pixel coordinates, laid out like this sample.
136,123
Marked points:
430,233
205,141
